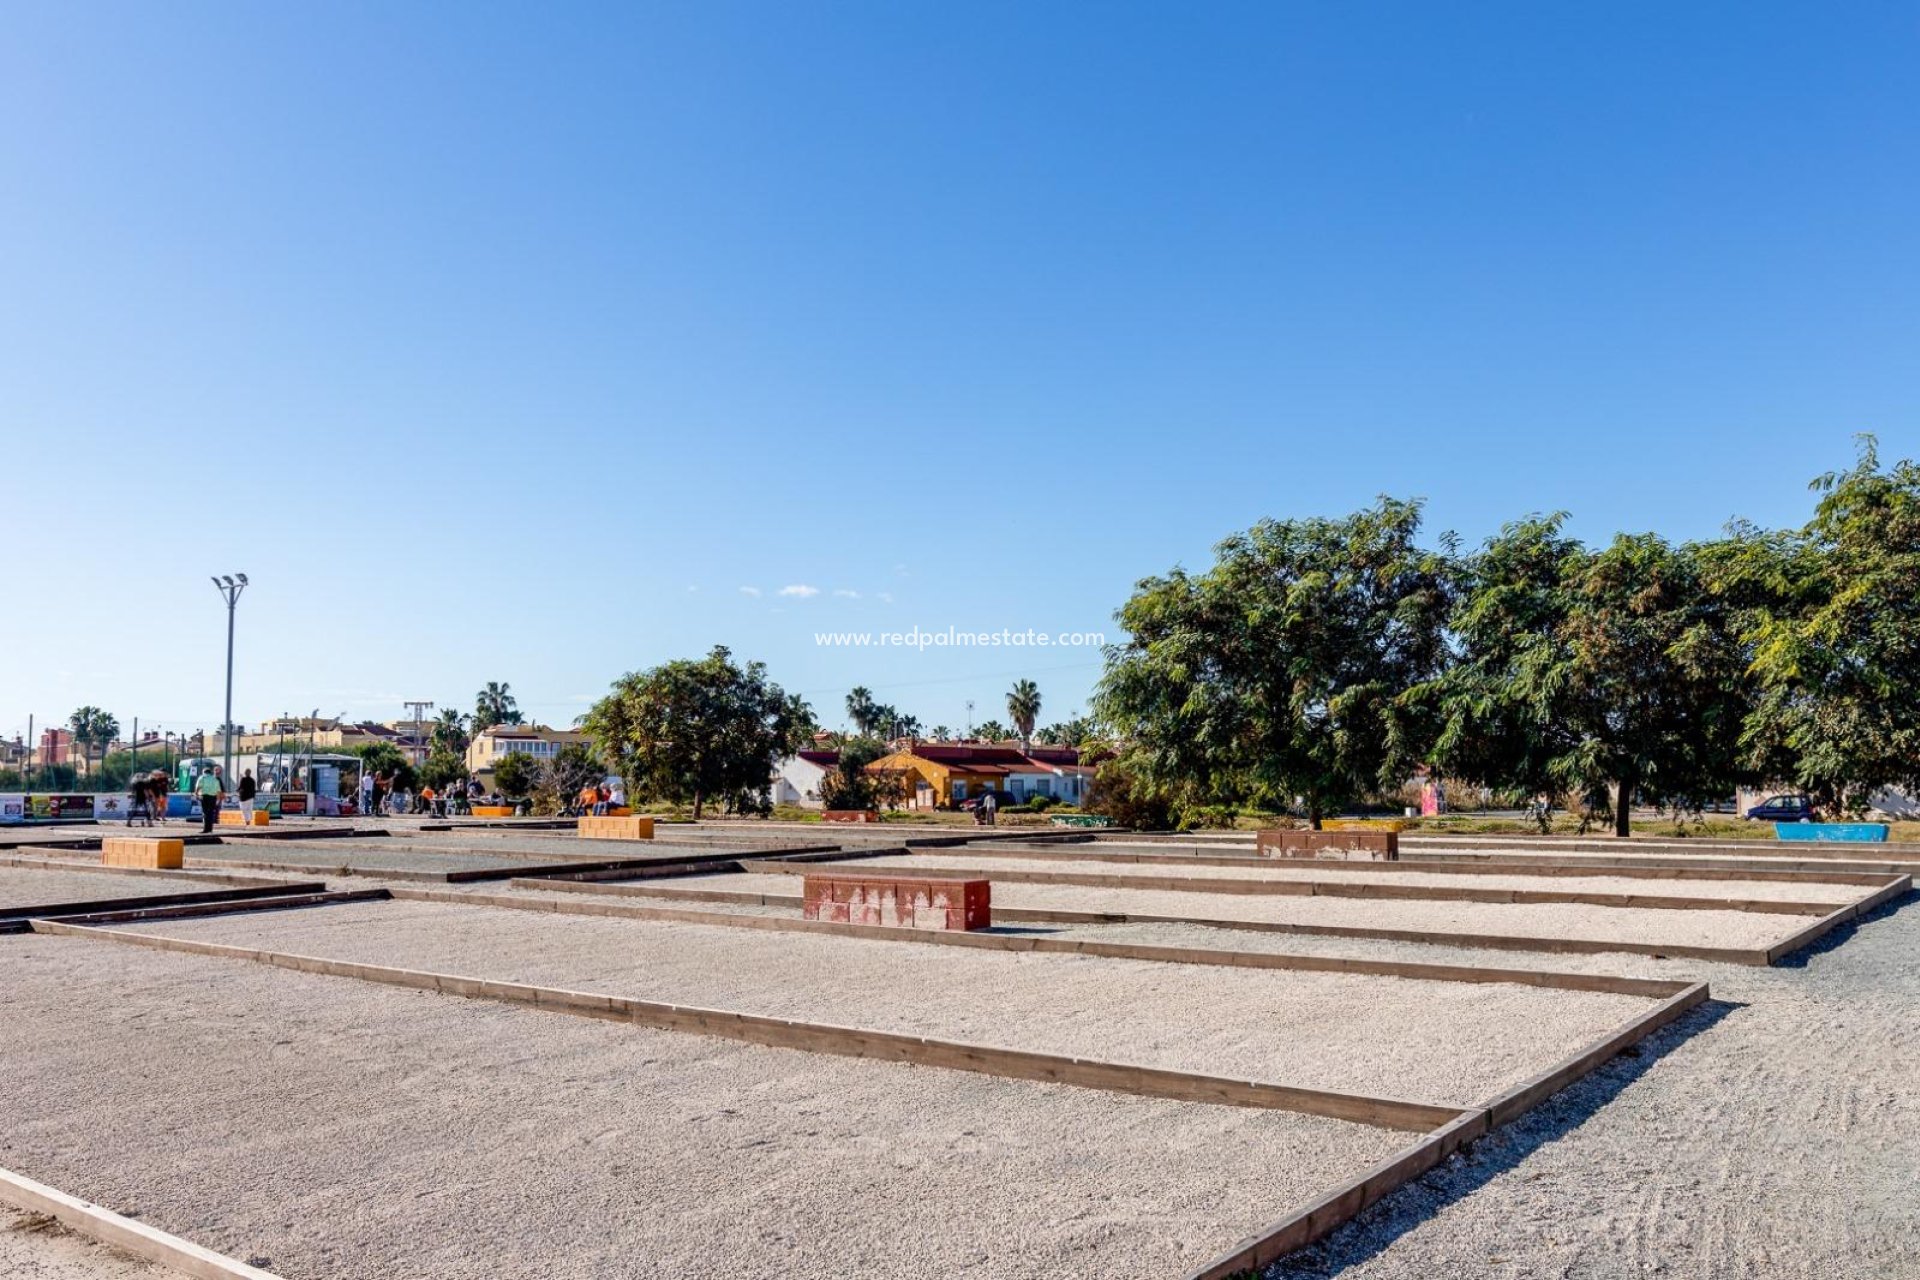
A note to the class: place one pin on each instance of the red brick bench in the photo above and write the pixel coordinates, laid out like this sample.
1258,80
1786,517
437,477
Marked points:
1354,846
907,902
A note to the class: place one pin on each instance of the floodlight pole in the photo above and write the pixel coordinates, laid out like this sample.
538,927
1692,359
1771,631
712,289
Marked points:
230,586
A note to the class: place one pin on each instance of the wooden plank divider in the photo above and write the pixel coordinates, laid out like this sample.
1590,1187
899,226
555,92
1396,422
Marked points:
156,1246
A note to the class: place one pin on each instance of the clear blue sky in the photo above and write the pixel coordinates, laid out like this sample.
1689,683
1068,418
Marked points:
511,342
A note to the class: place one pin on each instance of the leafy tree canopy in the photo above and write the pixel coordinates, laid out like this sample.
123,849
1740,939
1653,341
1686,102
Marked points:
695,730
1278,672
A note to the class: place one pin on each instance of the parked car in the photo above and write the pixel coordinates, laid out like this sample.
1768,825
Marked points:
1004,799
1783,809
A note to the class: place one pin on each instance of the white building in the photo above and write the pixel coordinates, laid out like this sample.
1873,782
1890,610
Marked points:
796,779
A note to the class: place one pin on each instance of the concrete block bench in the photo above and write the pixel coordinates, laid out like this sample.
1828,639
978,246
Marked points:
1346,846
149,852
628,828
906,902
235,818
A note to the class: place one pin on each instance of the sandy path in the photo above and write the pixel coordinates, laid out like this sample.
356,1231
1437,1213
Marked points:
33,1247
1766,890
1442,1042
325,854
1773,1136
1534,920
330,1129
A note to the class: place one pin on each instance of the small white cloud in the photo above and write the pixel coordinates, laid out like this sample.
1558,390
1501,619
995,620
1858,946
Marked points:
750,591
800,590
846,593
691,590
887,596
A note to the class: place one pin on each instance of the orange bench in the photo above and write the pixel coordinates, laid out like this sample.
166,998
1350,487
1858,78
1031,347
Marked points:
235,818
1349,846
627,828
150,852
906,902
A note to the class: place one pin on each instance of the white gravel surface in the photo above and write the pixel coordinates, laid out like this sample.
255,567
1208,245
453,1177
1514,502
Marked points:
1440,1042
327,1128
1530,920
322,855
1332,872
36,1247
35,886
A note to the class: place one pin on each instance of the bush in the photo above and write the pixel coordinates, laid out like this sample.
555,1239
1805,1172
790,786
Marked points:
1120,792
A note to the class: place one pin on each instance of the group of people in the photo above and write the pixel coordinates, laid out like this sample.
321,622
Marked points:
598,800
383,795
147,797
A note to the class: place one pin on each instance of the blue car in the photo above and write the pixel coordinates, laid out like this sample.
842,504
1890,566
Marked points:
1784,809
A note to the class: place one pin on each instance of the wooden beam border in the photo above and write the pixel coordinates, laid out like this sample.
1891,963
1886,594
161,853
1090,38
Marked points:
137,1238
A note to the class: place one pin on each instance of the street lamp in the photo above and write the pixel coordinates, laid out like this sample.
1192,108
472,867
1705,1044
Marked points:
230,586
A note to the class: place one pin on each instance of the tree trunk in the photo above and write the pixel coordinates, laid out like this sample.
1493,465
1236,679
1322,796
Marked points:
1623,808
1313,812
698,799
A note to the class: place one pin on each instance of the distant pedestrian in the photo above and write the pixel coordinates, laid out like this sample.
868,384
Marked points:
248,789
366,790
208,789
990,805
138,805
158,789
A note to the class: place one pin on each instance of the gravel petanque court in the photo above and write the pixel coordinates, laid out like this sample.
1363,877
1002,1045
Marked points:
1449,1043
332,1129
47,886
35,1247
1346,873
1543,920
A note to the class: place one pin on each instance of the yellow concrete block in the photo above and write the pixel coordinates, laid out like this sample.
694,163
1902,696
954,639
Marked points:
234,818
1365,824
629,828
493,811
143,851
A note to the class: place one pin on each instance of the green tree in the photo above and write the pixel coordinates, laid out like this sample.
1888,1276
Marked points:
1830,615
495,705
696,730
848,785
516,774
442,769
1067,733
992,731
942,734
93,729
1496,711
1278,673
863,711
1023,708
449,733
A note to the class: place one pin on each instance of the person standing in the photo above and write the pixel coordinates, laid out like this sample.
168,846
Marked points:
990,805
248,789
366,791
208,789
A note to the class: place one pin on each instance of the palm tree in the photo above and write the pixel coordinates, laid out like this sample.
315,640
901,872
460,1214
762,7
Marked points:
1023,708
494,705
92,728
991,731
862,710
450,732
